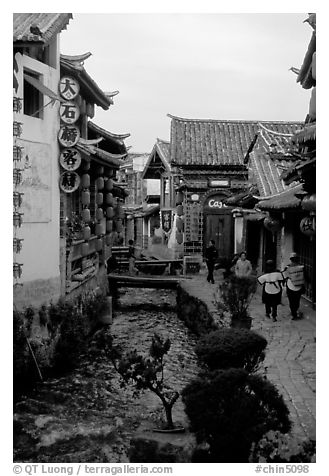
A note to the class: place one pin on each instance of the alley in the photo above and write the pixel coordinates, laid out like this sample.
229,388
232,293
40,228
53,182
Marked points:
290,354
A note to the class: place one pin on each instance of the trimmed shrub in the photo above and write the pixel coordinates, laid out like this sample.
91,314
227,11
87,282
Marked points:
229,347
236,294
231,409
276,447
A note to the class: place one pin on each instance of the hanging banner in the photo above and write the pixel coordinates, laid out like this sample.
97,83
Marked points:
68,136
69,112
69,87
193,229
69,182
166,220
70,159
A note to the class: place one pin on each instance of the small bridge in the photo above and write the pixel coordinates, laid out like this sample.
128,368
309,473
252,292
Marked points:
167,282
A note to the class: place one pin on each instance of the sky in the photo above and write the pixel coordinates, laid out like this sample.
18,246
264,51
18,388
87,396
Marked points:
205,66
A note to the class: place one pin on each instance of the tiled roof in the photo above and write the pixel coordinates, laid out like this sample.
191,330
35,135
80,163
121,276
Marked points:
38,27
219,142
107,134
112,160
305,77
164,149
284,200
73,65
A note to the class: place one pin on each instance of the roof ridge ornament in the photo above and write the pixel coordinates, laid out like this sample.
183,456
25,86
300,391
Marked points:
282,134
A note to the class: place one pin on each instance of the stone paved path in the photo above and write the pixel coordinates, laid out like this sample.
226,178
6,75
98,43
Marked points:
290,356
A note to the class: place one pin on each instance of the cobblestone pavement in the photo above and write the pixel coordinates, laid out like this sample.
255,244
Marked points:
290,355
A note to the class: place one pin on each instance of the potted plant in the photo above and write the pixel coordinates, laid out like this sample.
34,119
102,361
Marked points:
236,294
145,372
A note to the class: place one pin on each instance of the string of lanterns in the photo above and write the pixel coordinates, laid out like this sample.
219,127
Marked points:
17,195
179,219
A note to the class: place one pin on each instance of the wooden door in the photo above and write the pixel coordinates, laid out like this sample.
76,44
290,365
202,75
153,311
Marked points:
219,229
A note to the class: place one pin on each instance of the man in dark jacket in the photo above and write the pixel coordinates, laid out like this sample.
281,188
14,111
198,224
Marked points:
211,256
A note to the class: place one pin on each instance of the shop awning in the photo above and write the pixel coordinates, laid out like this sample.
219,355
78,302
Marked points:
42,88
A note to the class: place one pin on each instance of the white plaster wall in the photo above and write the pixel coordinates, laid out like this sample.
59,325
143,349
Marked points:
238,234
41,201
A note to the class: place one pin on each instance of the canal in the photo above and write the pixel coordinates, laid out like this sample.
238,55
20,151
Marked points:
86,416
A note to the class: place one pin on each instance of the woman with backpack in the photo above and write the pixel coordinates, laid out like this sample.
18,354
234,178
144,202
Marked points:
272,289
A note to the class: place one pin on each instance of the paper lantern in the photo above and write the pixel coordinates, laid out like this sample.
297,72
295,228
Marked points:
110,212
99,170
118,226
85,214
85,181
85,249
100,183
99,214
307,226
109,199
86,233
179,224
85,165
99,198
99,244
109,226
85,198
179,237
180,210
272,224
120,212
309,203
109,185
108,240
99,229
179,197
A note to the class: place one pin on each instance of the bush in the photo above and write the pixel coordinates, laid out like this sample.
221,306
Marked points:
236,294
227,347
231,409
276,447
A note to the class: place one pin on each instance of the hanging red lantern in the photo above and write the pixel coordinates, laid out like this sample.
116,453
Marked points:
85,214
307,226
85,165
99,170
109,185
179,237
99,244
272,224
99,229
309,203
110,212
179,224
100,183
85,249
120,212
99,198
179,198
180,210
85,197
99,214
109,199
109,226
108,240
118,226
86,233
85,181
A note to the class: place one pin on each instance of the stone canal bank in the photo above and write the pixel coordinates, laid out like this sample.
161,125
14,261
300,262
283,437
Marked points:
87,416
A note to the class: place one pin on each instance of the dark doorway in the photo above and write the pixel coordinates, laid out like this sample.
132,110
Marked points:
219,227
253,241
270,246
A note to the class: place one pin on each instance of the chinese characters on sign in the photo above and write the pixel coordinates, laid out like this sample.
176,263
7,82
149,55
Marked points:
68,136
69,182
69,88
193,222
166,220
69,112
70,159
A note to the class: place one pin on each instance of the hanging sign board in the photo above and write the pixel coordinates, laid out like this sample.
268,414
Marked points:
69,87
69,182
69,112
166,218
68,136
70,159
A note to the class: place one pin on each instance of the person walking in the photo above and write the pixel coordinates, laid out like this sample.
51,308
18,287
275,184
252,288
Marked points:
294,275
243,266
272,289
131,258
211,256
